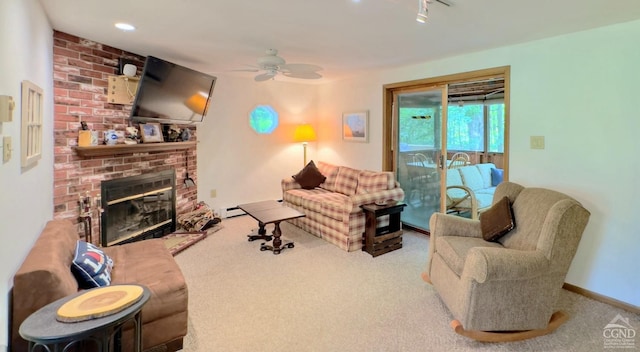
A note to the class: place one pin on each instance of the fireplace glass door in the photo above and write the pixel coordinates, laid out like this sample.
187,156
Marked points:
138,207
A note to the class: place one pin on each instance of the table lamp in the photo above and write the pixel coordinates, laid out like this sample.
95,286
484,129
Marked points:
304,133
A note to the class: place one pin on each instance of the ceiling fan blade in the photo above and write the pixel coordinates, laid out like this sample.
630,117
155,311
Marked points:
299,68
264,77
303,75
246,70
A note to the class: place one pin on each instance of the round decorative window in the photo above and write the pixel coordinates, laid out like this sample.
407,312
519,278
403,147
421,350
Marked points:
263,119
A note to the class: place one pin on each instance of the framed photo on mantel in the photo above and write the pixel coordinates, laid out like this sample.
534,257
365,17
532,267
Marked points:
151,132
355,126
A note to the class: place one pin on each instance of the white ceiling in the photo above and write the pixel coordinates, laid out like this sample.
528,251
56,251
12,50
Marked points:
345,37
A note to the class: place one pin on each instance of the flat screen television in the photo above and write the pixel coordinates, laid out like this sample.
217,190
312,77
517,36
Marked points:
170,93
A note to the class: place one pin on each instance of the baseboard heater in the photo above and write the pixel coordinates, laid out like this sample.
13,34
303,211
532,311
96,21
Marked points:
233,212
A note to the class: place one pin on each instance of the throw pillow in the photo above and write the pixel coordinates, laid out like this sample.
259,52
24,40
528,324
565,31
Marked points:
91,266
496,176
309,177
497,221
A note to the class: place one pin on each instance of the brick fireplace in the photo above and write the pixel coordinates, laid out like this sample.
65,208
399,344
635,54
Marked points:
80,77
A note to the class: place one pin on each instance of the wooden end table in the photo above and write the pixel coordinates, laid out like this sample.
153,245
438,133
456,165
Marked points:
381,240
267,212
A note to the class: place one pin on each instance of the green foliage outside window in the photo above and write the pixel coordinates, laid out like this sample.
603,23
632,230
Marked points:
496,128
465,128
416,131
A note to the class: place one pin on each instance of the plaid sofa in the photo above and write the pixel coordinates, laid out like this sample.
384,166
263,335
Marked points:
333,210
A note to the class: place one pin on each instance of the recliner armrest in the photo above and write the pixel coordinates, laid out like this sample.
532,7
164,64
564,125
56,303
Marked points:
485,263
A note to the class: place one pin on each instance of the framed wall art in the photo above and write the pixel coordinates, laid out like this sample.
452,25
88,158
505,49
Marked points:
151,132
31,133
355,126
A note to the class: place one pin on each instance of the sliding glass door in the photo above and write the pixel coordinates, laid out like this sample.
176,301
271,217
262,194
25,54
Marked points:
433,128
419,145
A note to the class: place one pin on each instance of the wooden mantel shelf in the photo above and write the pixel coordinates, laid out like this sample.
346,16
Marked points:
100,150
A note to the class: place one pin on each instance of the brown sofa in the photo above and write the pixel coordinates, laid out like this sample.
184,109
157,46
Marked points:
45,276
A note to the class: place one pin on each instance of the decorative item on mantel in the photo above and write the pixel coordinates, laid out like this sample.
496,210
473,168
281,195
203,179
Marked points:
151,132
86,137
173,133
131,135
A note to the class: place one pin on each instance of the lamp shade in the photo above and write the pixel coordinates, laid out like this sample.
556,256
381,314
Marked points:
304,133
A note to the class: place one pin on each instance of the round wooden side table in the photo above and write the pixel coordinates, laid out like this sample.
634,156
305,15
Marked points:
42,329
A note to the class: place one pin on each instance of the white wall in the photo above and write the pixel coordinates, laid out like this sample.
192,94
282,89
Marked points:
240,164
580,92
26,196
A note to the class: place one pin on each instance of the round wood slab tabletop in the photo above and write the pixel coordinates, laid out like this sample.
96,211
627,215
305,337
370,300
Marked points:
99,302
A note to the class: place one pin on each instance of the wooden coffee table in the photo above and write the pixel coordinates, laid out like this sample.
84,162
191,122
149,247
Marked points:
267,212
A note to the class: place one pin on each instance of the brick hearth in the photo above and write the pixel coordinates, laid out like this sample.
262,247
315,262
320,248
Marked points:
81,70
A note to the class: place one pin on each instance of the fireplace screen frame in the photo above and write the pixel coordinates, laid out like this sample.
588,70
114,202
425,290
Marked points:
133,191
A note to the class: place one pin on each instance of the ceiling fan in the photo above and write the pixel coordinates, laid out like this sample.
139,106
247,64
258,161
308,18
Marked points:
273,65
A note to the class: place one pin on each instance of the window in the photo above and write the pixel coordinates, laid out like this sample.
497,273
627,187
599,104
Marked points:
465,128
417,130
496,128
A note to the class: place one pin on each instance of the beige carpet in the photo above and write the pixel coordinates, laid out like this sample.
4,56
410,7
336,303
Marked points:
316,297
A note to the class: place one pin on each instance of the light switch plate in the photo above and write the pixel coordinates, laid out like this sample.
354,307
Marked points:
7,105
537,142
6,149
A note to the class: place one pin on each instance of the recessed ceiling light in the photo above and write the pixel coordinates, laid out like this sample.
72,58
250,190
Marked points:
125,26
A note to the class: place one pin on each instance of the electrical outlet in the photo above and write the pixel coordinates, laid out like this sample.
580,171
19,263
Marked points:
213,193
6,149
537,142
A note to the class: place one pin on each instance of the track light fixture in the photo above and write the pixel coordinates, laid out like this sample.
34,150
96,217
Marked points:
422,11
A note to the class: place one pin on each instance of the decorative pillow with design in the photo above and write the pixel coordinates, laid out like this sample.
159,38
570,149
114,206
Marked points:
91,266
309,177
497,221
497,176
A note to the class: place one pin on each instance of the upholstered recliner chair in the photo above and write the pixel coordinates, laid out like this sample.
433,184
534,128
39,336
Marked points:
506,290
